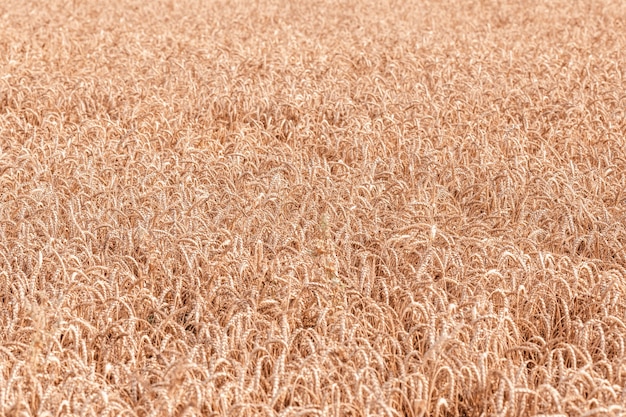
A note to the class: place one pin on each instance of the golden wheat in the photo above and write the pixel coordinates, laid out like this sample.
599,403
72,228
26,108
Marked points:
344,208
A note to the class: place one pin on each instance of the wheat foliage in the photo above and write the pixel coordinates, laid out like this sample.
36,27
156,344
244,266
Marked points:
346,208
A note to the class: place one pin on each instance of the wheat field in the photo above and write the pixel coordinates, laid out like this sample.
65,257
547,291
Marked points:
313,208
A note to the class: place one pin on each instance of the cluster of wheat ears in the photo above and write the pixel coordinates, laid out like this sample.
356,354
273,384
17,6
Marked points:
313,208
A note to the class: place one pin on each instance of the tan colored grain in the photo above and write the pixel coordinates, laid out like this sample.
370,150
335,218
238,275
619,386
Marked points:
318,208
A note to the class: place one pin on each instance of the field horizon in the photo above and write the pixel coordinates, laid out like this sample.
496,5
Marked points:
347,208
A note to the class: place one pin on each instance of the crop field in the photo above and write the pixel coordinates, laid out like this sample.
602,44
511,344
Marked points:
313,208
